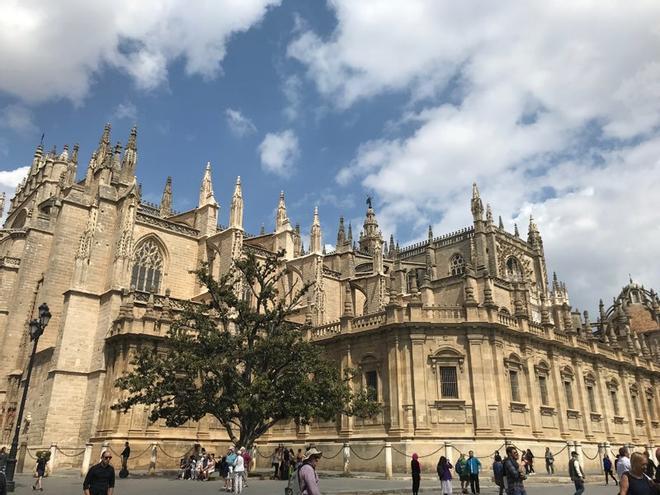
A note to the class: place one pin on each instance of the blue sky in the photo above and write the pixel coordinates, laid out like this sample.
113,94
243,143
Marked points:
553,109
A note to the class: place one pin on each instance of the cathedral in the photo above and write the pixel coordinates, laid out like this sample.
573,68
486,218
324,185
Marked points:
464,337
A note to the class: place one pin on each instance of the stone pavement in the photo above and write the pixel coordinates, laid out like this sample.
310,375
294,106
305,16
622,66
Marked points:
69,483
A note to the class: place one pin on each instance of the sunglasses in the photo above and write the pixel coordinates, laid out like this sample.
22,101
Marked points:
107,457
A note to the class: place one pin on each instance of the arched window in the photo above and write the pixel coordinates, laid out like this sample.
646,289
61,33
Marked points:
457,265
147,267
513,269
19,221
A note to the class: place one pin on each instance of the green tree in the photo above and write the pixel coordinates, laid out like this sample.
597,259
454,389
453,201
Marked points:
241,360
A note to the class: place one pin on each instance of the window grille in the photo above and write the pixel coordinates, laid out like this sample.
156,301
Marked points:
650,407
515,387
448,382
543,386
592,398
569,394
513,269
371,379
147,267
457,265
615,402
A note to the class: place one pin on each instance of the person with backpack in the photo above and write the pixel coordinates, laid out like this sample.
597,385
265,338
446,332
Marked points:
462,472
607,468
576,473
239,468
305,480
415,470
549,461
498,472
40,472
634,481
444,473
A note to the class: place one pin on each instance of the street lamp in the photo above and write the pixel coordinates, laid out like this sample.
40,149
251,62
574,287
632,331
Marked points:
36,328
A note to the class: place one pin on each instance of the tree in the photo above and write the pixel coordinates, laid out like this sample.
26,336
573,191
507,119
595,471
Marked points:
241,360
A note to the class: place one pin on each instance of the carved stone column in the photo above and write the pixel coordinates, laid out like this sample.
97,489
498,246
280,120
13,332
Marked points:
419,382
480,374
497,349
556,390
585,408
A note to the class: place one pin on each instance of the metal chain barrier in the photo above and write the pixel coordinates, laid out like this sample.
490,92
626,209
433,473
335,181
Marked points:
69,455
113,451
30,455
557,453
141,453
185,454
591,458
367,458
341,449
262,455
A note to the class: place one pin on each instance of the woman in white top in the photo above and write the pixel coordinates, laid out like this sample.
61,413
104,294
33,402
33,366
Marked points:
239,467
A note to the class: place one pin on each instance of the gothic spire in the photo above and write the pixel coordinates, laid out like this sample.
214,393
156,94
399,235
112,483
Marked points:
430,232
130,155
236,210
533,235
489,214
476,205
515,230
315,235
281,220
370,235
206,189
166,198
501,224
104,149
341,233
350,234
2,204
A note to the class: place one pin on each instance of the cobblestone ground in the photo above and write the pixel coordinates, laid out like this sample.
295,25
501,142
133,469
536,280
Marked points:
70,484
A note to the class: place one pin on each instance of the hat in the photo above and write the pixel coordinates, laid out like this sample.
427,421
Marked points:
312,452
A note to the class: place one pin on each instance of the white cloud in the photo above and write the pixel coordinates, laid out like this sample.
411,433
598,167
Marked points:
555,108
126,110
9,179
278,152
292,89
17,118
43,40
238,123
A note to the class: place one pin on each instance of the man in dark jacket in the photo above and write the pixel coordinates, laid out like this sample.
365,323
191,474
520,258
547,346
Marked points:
100,479
3,483
514,473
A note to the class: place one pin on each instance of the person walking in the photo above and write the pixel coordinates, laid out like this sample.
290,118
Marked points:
576,473
3,459
444,473
498,472
416,471
623,464
247,461
125,454
307,476
514,473
275,463
529,462
473,466
650,467
40,472
3,482
462,472
634,481
239,467
549,461
100,479
657,470
607,468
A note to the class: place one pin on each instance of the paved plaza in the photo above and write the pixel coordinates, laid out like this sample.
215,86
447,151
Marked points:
70,484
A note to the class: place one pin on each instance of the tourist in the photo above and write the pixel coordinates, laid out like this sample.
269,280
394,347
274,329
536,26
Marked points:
275,463
193,465
307,476
231,462
462,472
299,458
100,479
125,454
40,472
607,468
285,462
239,467
657,471
224,473
473,466
498,472
549,461
650,466
634,481
3,482
444,473
514,473
529,462
623,465
416,471
210,467
247,461
3,459
576,473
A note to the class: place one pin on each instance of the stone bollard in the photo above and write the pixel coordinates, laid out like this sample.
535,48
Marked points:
20,461
253,455
578,449
449,451
87,459
601,453
388,461
104,447
51,461
154,458
347,458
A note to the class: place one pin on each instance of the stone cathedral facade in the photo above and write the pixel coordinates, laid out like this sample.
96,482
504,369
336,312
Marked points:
461,337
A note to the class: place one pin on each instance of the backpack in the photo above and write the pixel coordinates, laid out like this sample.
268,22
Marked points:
498,470
294,487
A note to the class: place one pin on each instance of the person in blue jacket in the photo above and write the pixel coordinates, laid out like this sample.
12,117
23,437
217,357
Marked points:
473,466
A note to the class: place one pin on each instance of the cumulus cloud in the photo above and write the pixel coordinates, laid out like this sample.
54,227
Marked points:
42,39
238,123
9,179
278,152
17,118
553,108
126,110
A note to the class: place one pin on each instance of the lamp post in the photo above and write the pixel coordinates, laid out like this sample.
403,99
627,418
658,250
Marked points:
37,328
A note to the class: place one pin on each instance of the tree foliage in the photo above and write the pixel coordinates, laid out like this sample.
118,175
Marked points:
241,360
